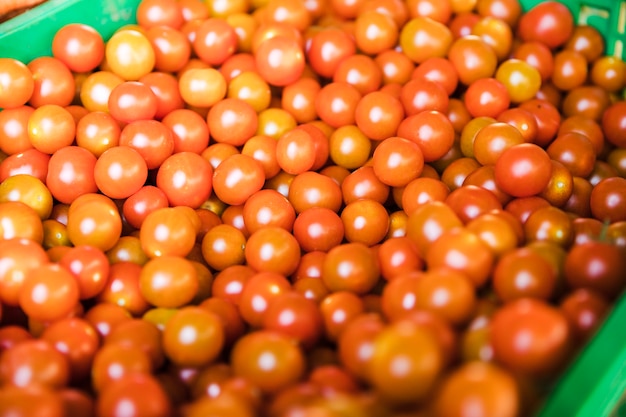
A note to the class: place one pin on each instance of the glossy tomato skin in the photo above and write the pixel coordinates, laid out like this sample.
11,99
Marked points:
597,266
551,23
538,320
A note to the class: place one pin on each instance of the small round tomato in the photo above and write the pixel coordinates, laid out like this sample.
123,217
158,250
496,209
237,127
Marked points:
17,83
78,341
90,268
419,353
596,266
168,281
50,128
486,97
80,47
268,359
19,256
49,292
151,138
186,179
165,231
142,392
550,22
280,60
523,170
463,251
292,314
608,198
54,82
129,54
273,249
431,130
350,267
34,362
365,221
397,161
202,87
327,49
544,327
223,246
318,229
422,38
478,385
132,100
523,273
193,336
378,115
236,178
94,219
120,172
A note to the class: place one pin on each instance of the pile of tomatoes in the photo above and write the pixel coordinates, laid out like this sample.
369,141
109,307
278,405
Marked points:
282,208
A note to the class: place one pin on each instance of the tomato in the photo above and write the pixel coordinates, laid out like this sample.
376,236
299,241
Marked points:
365,221
14,137
18,83
397,161
339,309
471,256
153,140
327,49
165,231
496,33
536,320
54,82
19,220
28,190
168,281
420,355
273,249
375,32
132,100
350,267
120,172
142,392
129,66
268,359
80,47
292,314
431,130
550,22
46,367
478,385
186,179
193,336
422,38
521,273
487,97
50,128
472,58
280,60
336,103
78,341
89,266
523,170
596,266
378,115
202,87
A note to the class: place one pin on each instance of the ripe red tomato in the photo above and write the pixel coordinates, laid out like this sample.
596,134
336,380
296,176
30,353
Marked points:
549,22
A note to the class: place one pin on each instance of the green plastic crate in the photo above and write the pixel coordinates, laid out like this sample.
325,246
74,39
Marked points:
595,383
30,34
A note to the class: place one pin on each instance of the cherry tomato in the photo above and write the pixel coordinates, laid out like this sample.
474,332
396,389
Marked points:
536,320
18,83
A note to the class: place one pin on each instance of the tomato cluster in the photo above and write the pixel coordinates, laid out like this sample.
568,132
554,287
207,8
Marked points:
308,208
